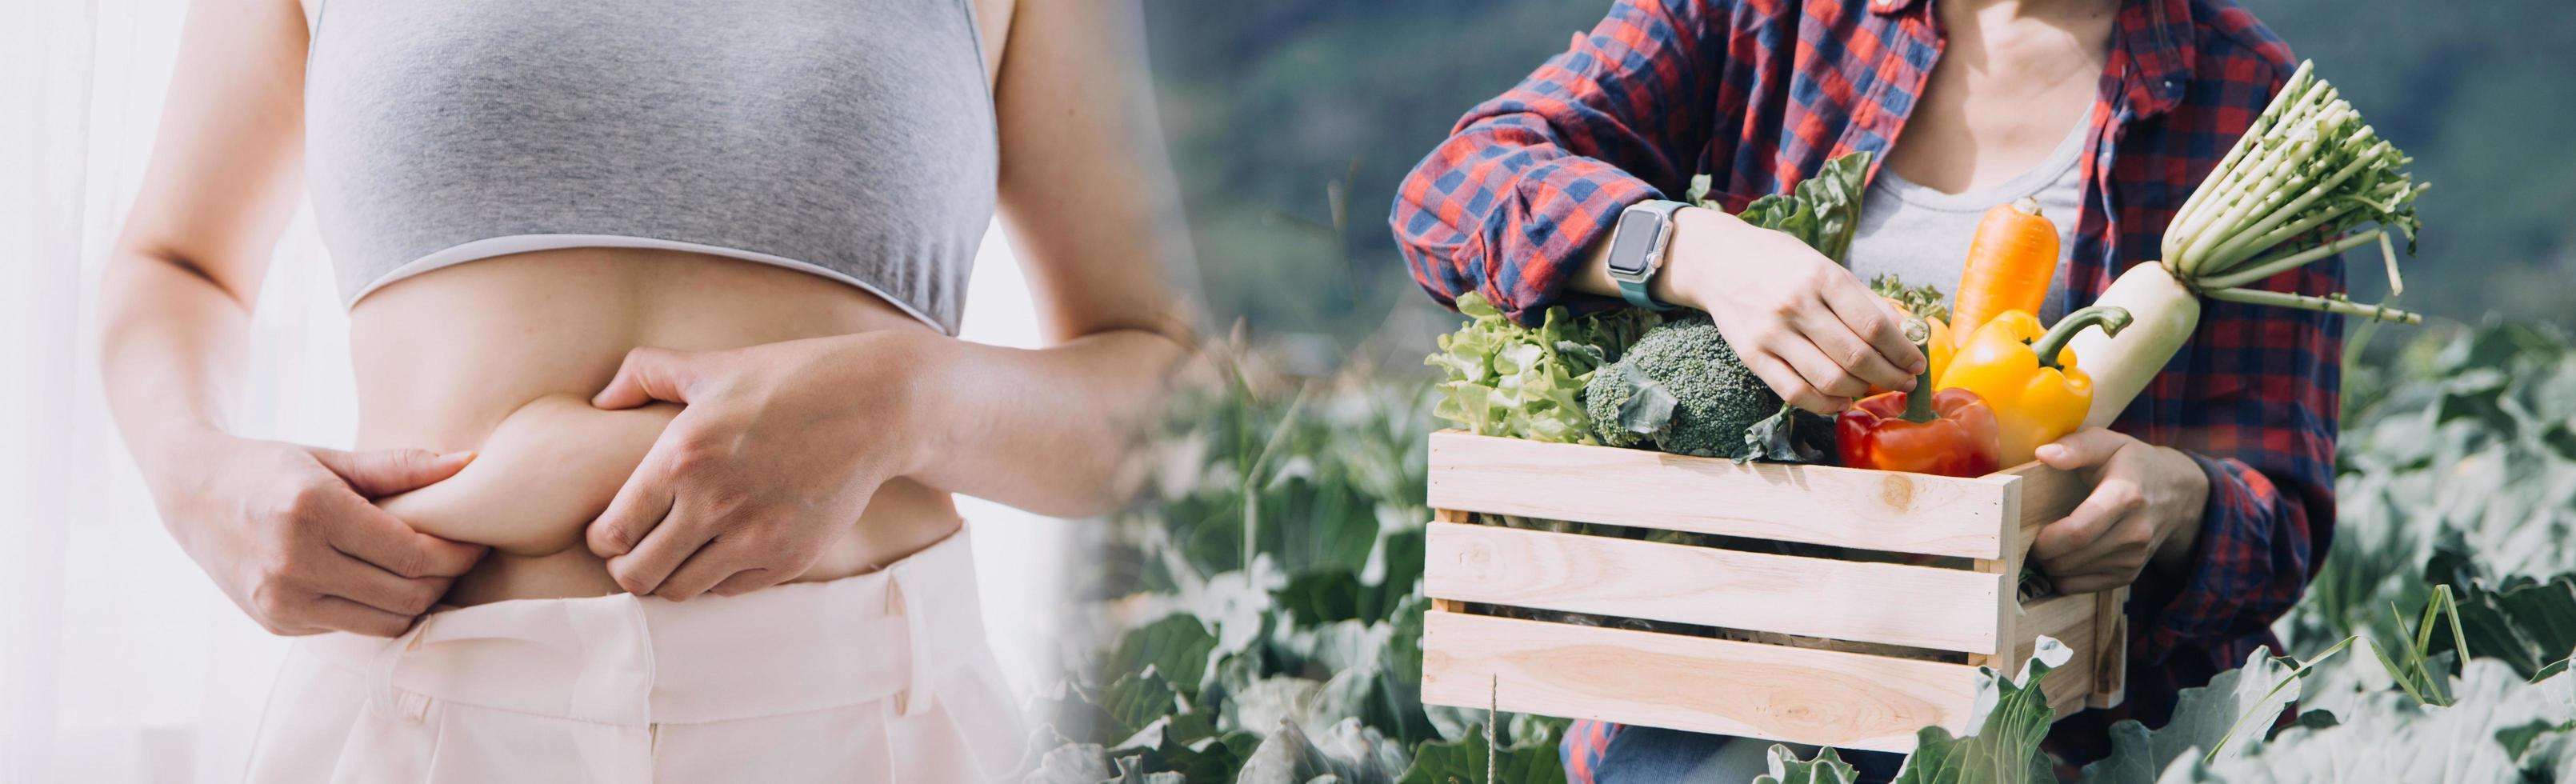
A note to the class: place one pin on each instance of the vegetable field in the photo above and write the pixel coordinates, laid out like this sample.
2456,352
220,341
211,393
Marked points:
1267,612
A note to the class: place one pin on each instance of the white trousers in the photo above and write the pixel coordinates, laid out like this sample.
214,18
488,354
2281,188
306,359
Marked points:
883,677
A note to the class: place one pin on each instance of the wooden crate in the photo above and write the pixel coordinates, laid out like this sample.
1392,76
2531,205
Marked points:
1699,683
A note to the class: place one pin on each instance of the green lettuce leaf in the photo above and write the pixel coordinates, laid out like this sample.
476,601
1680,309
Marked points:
1500,378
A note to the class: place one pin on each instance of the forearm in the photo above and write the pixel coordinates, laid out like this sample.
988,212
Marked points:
172,347
1053,430
1515,202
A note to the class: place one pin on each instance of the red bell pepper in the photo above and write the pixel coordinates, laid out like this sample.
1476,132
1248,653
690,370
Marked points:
1950,432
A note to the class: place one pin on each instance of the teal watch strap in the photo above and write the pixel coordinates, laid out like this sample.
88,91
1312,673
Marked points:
1635,291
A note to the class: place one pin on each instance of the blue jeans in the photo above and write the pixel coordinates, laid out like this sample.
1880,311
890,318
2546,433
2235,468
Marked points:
1653,755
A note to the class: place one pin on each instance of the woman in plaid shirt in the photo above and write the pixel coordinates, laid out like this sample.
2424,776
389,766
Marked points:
2215,499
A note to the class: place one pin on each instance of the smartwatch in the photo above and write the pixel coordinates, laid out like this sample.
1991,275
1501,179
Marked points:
1637,247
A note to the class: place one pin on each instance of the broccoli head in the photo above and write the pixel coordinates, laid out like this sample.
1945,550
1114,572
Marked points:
1682,389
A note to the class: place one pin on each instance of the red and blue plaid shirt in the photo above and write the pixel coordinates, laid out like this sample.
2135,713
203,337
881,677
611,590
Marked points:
1760,93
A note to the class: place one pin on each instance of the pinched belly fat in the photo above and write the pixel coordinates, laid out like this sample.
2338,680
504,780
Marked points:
538,480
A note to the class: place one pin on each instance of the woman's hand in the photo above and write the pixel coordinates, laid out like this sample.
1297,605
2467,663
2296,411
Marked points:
288,533
1802,323
779,448
2145,508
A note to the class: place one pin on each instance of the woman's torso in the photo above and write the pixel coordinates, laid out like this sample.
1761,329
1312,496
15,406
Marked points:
441,359
1921,234
777,162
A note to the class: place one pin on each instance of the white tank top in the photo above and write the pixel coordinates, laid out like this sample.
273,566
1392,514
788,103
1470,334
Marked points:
1922,235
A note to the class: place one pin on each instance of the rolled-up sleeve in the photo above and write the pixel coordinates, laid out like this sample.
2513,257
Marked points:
2266,441
1528,181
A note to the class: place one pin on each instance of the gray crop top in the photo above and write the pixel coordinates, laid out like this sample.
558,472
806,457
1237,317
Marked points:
852,139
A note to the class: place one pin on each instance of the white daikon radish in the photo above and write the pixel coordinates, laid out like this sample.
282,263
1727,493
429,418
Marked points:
2299,186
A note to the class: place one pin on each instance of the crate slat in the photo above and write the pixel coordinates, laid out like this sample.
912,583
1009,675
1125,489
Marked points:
1876,510
1947,609
1753,689
1847,700
2069,619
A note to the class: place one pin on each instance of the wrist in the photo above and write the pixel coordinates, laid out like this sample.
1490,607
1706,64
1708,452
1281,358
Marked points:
1694,262
2190,510
919,396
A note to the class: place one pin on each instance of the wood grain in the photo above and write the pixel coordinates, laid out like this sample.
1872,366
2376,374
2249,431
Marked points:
1877,510
1948,609
2069,619
2046,495
2111,640
1801,695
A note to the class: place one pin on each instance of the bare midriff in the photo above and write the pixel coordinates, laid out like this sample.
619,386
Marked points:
502,356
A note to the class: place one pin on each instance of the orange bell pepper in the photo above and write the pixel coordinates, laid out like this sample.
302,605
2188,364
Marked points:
2029,376
1950,432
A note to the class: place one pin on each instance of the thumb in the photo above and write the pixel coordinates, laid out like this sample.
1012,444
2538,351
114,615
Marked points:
647,375
381,472
2080,449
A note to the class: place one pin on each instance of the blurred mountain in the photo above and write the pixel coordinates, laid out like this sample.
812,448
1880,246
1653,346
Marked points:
1291,122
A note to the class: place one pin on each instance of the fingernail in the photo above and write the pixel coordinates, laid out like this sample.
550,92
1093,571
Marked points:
2049,452
460,457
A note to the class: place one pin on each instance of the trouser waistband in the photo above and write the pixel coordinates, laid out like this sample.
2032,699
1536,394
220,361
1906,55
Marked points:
631,660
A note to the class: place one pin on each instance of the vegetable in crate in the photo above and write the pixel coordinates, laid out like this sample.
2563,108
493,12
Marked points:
1923,302
1682,389
1822,211
1504,379
2029,377
2292,191
2011,260
1950,432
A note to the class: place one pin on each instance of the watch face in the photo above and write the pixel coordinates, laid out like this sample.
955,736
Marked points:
1630,241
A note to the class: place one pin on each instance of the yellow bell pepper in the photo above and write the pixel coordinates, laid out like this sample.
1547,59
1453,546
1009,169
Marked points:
2029,376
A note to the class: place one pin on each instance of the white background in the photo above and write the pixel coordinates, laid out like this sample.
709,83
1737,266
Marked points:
119,661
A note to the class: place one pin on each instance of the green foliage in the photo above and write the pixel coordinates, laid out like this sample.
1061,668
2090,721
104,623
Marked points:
2207,722
1827,767
1504,379
2504,729
2005,747
1267,602
1822,211
1473,760
1925,300
1272,618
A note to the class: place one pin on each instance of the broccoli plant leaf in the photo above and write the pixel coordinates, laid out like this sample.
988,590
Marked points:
1349,753
1131,770
1177,646
1524,760
2390,737
1782,437
1648,408
2005,748
1827,767
2526,624
2242,701
1072,763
